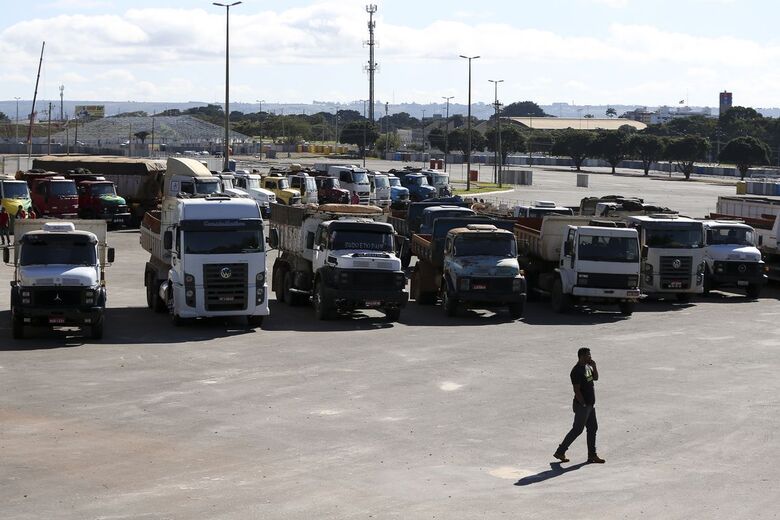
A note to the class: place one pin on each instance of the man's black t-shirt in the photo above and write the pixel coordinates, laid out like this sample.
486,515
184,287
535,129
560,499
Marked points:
583,375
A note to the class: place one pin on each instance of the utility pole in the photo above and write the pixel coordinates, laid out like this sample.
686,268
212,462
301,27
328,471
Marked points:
446,130
48,133
371,9
62,94
226,162
16,133
468,139
365,127
496,161
260,117
422,158
387,130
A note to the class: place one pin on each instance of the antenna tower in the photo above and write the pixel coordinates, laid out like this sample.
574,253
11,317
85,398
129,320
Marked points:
371,9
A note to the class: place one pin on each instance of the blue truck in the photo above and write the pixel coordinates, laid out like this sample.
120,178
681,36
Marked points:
417,184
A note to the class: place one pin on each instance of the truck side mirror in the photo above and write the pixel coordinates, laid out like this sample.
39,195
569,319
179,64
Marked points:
6,255
110,254
168,239
273,238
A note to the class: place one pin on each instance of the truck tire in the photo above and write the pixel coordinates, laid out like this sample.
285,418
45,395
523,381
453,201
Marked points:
279,284
626,308
291,298
707,283
153,300
177,320
393,314
683,297
17,328
449,302
516,310
255,321
96,331
322,307
406,257
561,303
753,290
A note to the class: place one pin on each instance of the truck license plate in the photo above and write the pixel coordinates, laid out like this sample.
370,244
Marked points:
742,283
373,303
54,320
479,286
675,285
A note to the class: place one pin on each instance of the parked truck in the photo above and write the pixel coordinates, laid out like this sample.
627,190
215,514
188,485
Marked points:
672,251
576,260
280,187
53,195
354,179
379,184
251,184
468,264
207,253
14,193
417,184
338,257
732,258
59,278
98,200
304,183
399,195
329,191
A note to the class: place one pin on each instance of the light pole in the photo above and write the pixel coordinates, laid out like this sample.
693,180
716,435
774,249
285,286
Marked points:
260,117
468,137
226,153
446,129
496,157
16,132
365,127
422,159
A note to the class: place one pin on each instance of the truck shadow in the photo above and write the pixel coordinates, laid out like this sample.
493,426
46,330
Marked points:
301,318
433,316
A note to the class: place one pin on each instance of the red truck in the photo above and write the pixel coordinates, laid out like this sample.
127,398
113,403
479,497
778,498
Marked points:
329,190
98,200
52,195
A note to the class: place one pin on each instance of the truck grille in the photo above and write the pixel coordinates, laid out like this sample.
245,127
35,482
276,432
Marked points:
606,280
737,268
369,280
676,272
494,285
57,297
225,287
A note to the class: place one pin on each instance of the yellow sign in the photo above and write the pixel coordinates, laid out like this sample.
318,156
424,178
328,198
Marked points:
90,111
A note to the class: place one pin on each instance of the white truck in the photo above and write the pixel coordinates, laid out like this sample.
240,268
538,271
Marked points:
672,251
379,184
732,258
577,260
304,183
354,179
59,278
251,184
337,256
207,256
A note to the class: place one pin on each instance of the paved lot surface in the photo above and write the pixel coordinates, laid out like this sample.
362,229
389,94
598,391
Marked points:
427,418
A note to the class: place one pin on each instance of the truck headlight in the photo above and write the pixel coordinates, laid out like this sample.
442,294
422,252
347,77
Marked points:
260,278
648,272
582,279
700,273
632,281
259,288
89,296
189,290
25,294
518,284
719,267
464,284
344,278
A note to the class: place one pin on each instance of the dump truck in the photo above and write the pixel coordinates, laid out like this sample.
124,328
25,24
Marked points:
467,262
14,193
207,252
732,258
53,195
337,256
59,275
576,260
98,200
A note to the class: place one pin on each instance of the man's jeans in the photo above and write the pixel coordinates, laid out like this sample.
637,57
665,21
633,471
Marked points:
6,238
584,417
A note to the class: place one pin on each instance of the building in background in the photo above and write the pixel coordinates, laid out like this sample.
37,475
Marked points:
725,102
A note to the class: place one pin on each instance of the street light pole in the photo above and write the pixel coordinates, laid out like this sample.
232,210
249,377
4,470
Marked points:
226,162
468,140
446,130
496,162
261,101
422,158
16,133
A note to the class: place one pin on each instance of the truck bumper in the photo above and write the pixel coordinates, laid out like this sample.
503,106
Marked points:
371,299
490,298
597,294
735,280
58,317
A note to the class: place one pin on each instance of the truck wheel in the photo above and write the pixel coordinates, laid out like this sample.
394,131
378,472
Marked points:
255,321
279,284
17,327
707,283
753,290
406,258
449,303
561,303
290,297
96,331
516,310
683,297
393,314
626,308
322,307
153,300
175,318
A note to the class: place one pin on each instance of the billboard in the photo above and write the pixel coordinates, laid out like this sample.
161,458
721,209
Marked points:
90,111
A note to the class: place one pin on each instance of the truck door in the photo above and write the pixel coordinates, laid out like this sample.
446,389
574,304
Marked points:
320,253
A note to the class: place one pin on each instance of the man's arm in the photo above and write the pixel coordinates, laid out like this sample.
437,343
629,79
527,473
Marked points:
578,395
594,370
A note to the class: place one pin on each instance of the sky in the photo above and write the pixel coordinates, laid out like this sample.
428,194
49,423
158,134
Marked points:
599,52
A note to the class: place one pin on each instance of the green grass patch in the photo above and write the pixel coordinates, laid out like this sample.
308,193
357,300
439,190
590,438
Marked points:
481,187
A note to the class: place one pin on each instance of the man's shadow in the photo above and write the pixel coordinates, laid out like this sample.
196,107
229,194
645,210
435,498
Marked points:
554,471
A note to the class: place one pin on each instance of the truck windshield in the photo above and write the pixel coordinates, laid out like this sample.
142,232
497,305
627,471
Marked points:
608,249
207,187
418,181
441,180
394,181
227,184
381,182
103,189
63,189
331,183
220,242
543,212
736,236
57,250
360,177
366,240
674,236
310,185
15,190
485,246
284,184
253,184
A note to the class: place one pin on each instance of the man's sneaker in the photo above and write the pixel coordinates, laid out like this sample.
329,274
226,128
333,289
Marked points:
595,459
560,456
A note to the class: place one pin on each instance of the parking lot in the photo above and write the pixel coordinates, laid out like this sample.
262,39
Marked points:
431,417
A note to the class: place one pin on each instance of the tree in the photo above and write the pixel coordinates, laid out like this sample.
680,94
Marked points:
458,140
436,139
572,143
745,152
611,146
647,148
523,109
360,133
142,135
686,151
611,112
4,118
137,113
512,140
387,142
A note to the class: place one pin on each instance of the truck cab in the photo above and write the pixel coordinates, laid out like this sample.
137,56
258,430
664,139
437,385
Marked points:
304,183
14,193
53,196
672,252
98,200
59,278
399,195
380,189
329,190
280,186
732,258
417,184
540,209
251,184
354,179
439,180
430,214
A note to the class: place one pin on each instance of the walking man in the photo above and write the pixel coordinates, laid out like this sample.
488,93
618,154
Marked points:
5,222
582,376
